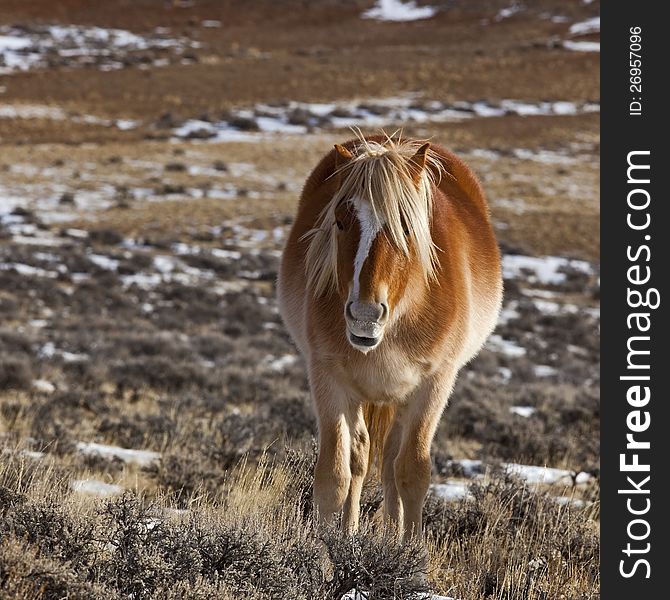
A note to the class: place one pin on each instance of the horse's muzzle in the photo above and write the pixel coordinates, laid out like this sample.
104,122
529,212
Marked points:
365,324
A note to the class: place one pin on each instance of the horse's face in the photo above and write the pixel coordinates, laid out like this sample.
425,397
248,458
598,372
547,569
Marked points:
372,273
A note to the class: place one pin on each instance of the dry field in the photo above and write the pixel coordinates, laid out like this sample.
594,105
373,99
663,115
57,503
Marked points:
156,433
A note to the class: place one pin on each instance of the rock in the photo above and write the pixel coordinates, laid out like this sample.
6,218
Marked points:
342,113
200,134
108,237
300,116
175,167
244,124
168,121
375,109
170,188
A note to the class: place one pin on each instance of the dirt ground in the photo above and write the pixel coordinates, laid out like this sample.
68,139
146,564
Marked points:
147,183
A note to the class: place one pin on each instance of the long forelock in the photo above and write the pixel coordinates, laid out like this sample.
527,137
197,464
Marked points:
379,174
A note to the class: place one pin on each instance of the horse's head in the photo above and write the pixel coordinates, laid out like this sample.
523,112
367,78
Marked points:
374,245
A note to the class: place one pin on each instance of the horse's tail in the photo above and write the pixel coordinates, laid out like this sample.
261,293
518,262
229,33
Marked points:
378,420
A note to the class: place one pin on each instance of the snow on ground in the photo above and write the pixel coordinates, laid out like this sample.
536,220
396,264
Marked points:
95,487
44,386
546,270
529,473
143,458
581,46
451,491
395,10
32,111
293,118
28,270
49,350
31,454
516,206
509,312
547,475
545,156
497,344
569,156
588,27
523,411
508,12
569,501
104,262
59,193
585,27
23,48
281,363
544,371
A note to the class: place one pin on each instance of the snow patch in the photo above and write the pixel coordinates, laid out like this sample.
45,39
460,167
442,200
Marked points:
143,458
451,491
296,118
533,474
543,269
581,46
508,12
28,270
523,411
528,473
544,371
44,386
569,501
496,343
95,487
586,27
281,363
104,262
49,350
394,10
39,47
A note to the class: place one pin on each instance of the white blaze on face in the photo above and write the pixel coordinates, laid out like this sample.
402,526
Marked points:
370,225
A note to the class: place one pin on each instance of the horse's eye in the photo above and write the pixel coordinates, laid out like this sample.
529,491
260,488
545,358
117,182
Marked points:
339,225
405,229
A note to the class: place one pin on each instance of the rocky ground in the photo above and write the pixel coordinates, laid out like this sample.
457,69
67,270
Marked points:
151,156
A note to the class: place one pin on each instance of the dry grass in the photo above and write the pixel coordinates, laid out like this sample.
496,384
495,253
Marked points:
256,538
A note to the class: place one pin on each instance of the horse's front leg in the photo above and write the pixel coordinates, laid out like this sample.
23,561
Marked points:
360,452
332,475
392,503
412,465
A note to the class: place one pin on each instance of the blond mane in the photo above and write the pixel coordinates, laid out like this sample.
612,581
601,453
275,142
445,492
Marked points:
379,173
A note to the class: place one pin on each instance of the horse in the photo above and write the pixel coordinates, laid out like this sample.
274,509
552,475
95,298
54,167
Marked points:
390,282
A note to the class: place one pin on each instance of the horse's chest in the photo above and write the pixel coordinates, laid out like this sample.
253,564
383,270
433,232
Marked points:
383,380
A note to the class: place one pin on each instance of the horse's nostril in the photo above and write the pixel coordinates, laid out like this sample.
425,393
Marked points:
348,310
385,311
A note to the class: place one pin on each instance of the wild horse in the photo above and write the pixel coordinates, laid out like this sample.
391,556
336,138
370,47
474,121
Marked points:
390,282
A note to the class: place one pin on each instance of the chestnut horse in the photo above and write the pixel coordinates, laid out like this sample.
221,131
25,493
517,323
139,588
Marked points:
389,283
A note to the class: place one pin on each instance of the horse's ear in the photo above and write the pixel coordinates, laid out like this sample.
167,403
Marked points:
342,156
418,162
